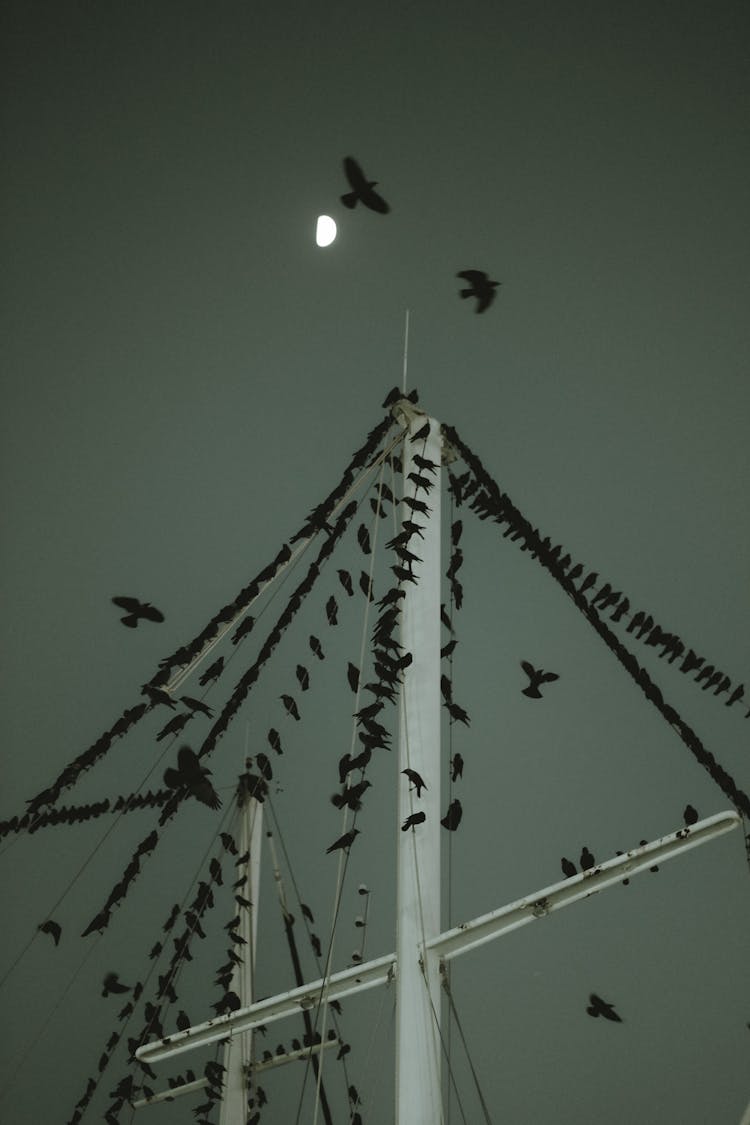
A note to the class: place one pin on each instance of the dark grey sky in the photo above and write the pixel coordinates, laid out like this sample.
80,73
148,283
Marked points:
186,374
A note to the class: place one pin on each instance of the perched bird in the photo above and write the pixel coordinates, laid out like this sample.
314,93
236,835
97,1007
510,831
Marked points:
213,672
332,611
316,647
307,912
351,796
191,775
362,189
536,677
365,585
51,928
363,538
175,725
290,705
598,1007
344,842
345,579
422,433
587,861
690,815
457,766
303,677
415,818
416,780
352,674
137,611
452,818
316,946
274,741
425,463
568,868
196,705
480,287
111,985
457,713
158,695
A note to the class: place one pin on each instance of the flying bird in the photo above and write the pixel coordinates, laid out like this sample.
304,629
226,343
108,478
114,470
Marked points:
416,780
457,766
568,868
111,985
51,928
415,818
351,796
536,677
191,775
587,860
362,189
598,1007
452,818
136,611
480,287
690,815
344,842
290,705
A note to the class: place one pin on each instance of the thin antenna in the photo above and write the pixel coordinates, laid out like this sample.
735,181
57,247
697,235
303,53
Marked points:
406,350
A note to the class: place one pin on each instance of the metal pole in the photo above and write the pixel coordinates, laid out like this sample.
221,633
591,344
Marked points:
418,1082
238,1051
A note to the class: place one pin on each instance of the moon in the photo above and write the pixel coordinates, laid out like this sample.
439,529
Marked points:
325,231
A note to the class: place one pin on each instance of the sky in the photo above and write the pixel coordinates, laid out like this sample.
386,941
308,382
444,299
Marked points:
186,375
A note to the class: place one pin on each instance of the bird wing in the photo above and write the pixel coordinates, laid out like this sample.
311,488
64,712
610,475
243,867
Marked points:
474,276
132,605
374,201
354,174
548,677
188,762
528,668
485,300
151,613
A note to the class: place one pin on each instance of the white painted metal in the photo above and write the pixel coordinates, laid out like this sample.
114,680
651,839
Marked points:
746,1116
379,971
418,1085
468,936
170,1095
238,1051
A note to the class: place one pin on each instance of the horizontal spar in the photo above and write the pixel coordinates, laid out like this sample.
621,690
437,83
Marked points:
486,928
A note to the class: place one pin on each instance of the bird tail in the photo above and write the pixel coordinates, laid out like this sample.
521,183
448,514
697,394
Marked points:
350,199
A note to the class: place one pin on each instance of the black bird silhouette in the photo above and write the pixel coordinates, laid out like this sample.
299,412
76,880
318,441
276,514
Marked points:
452,818
416,780
568,868
315,943
191,775
422,433
111,985
274,741
175,725
365,585
351,796
536,677
197,705
415,818
587,860
332,611
457,713
353,676
303,677
290,705
690,815
457,766
137,611
316,647
480,287
213,672
158,695
51,928
425,463
598,1007
343,842
362,189
307,912
363,538
345,579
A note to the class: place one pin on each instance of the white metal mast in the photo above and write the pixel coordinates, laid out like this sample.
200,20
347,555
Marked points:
422,949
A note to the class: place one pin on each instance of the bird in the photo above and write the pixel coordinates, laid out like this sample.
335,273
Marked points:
196,705
316,647
415,818
422,433
457,766
111,985
587,860
536,677
480,286
158,695
136,611
457,713
51,928
213,672
307,912
332,611
425,463
345,579
175,725
362,189
598,1007
303,677
352,673
274,741
416,780
452,818
344,842
290,705
690,815
365,585
191,775
351,796
568,868
363,538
